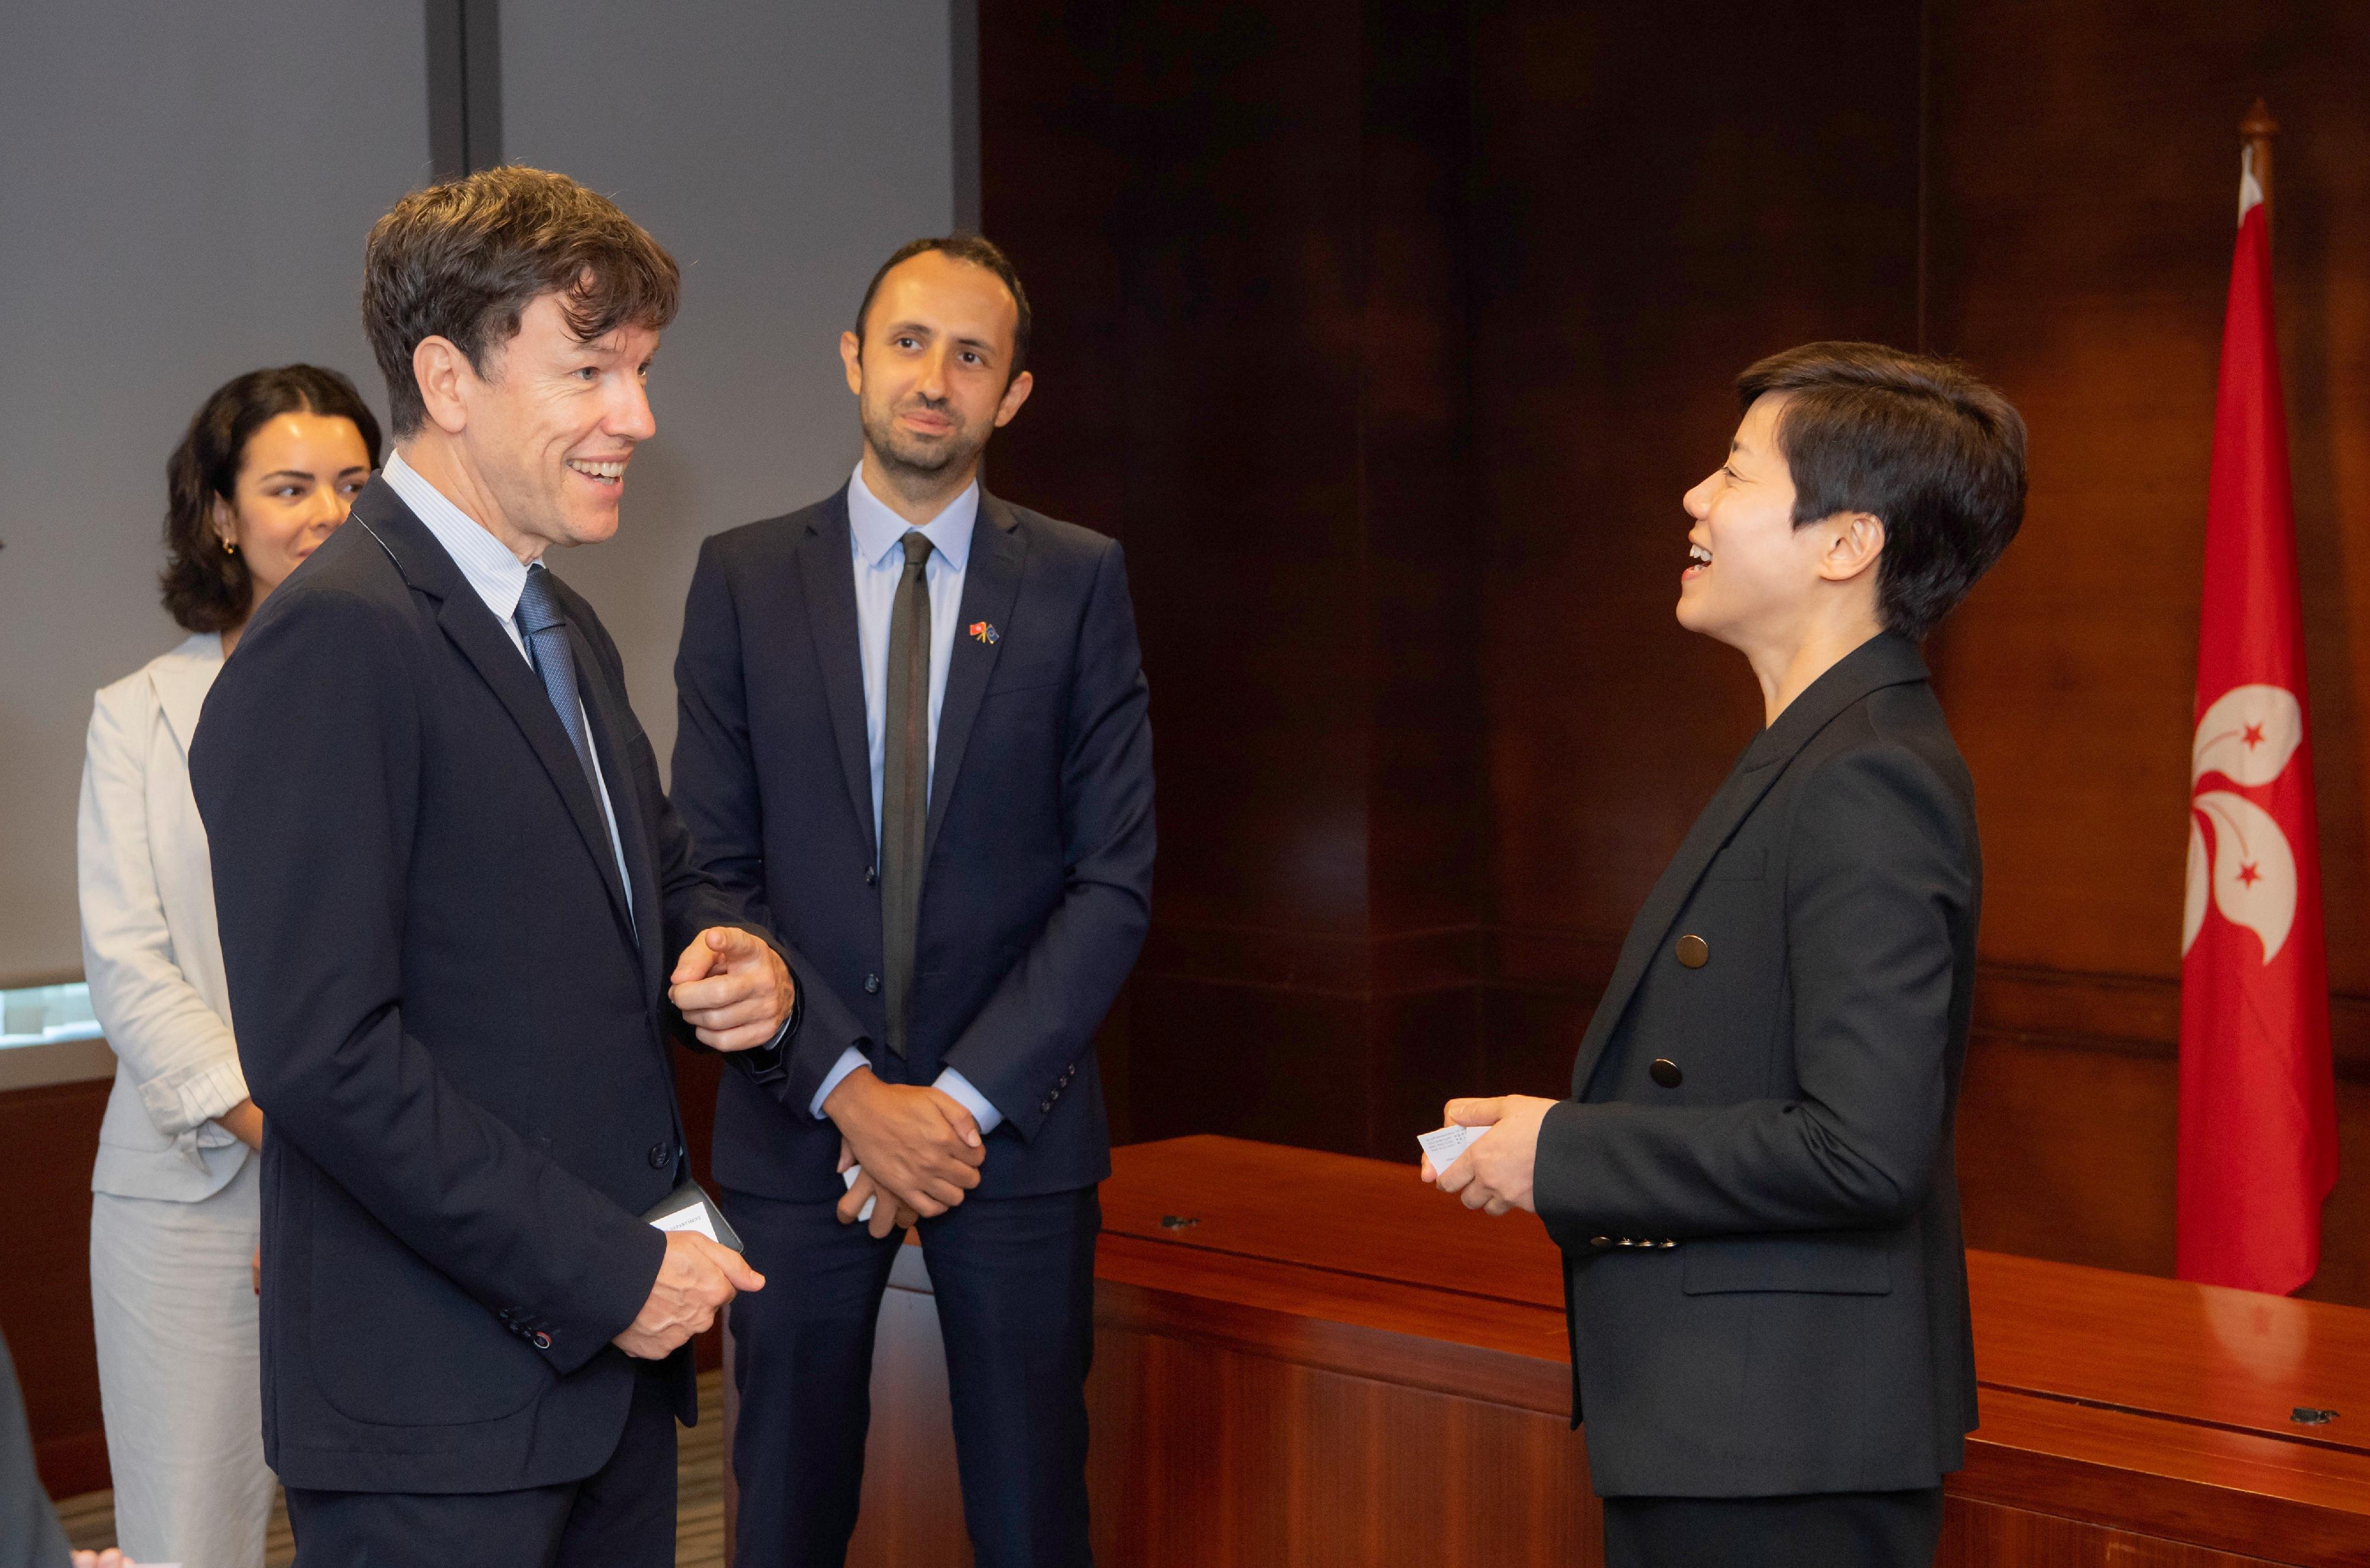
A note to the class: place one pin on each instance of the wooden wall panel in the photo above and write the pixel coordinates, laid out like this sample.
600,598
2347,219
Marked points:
1175,184
47,1138
1261,239
1987,1532
2081,223
1252,368
2081,201
1646,227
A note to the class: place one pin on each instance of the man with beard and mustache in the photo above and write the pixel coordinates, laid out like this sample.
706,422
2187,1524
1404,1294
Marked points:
913,737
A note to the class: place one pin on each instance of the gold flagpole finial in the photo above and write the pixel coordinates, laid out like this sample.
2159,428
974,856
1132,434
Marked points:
2257,131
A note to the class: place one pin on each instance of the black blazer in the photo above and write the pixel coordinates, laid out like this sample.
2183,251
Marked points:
1040,837
1753,1184
449,1019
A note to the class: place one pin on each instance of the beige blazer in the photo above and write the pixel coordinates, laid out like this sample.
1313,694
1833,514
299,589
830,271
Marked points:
149,945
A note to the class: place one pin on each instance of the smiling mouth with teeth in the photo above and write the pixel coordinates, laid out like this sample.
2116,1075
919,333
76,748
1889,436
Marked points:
605,473
1699,556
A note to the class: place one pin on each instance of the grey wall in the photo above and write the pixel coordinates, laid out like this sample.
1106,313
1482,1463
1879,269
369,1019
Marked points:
780,151
184,192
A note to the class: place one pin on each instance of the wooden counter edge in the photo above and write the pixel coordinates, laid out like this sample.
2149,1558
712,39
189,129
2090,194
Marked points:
2231,1491
2227,1491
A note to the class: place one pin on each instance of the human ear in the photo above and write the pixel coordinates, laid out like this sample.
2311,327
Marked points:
1014,396
444,375
851,355
1856,541
224,522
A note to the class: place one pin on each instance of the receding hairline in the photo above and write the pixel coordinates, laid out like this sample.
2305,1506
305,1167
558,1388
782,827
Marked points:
1011,300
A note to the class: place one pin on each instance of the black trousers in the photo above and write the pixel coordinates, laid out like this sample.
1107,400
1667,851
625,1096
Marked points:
622,1516
1838,1530
1015,1281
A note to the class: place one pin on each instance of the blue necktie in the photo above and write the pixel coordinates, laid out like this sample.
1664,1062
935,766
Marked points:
546,642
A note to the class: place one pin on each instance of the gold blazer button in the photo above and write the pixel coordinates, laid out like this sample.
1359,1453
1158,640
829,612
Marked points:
1694,951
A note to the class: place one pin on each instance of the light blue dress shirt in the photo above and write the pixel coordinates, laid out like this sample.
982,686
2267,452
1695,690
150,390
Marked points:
877,541
499,578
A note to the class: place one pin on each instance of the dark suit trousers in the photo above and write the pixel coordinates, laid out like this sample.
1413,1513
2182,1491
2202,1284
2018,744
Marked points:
1844,1529
622,1516
1015,1282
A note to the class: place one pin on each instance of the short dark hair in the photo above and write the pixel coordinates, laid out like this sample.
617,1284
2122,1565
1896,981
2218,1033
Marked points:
979,251
461,261
1913,441
207,588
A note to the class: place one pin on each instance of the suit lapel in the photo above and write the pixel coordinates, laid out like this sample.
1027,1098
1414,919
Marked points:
827,570
605,709
991,582
180,683
1882,660
472,629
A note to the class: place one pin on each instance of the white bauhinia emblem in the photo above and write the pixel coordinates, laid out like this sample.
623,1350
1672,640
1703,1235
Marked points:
2248,736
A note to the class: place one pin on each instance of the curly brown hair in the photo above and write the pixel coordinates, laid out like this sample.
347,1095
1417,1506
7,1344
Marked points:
463,260
206,588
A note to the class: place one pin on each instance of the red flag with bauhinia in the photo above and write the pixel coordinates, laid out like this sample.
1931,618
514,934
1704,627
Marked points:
2258,1111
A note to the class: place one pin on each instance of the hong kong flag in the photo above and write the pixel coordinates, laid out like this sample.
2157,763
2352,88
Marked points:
2258,1115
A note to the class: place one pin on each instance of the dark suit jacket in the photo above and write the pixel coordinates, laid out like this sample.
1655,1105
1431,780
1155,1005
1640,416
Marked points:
1762,1253
1040,837
451,1023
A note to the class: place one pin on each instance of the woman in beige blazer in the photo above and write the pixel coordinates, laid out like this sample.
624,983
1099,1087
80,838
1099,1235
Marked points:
269,466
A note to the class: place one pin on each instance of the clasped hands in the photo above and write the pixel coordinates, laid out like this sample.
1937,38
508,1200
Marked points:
734,992
1494,1173
920,1150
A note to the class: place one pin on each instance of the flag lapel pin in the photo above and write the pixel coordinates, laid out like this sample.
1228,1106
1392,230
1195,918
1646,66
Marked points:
985,633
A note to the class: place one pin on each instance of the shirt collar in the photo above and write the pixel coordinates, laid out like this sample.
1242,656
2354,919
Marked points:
876,531
497,576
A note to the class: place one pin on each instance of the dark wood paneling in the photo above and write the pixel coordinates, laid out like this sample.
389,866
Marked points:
2081,202
1388,337
1337,1365
1252,366
1983,1532
1176,184
1648,224
2084,172
47,1139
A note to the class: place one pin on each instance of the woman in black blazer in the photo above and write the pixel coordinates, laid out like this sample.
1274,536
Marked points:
1753,1179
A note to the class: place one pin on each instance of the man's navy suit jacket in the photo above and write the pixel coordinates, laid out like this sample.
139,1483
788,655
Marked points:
1753,1184
1039,846
451,1022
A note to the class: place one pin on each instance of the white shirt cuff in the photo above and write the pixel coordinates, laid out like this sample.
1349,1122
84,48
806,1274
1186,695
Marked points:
849,1060
958,1088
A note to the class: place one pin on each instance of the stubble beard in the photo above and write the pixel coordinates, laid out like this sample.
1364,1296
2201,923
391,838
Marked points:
910,462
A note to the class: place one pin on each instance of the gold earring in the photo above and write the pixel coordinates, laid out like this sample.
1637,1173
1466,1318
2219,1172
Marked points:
229,548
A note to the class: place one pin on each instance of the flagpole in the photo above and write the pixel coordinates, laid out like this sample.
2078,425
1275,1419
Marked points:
2257,131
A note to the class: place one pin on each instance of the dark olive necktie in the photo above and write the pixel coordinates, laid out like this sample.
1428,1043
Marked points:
906,781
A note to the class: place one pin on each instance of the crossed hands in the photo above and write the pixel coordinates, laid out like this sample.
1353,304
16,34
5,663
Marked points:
1494,1173
920,1150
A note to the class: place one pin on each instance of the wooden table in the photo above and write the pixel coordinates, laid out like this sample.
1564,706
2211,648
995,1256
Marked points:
1333,1364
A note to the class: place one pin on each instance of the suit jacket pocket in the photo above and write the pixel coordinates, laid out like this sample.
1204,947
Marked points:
1839,1263
394,1343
